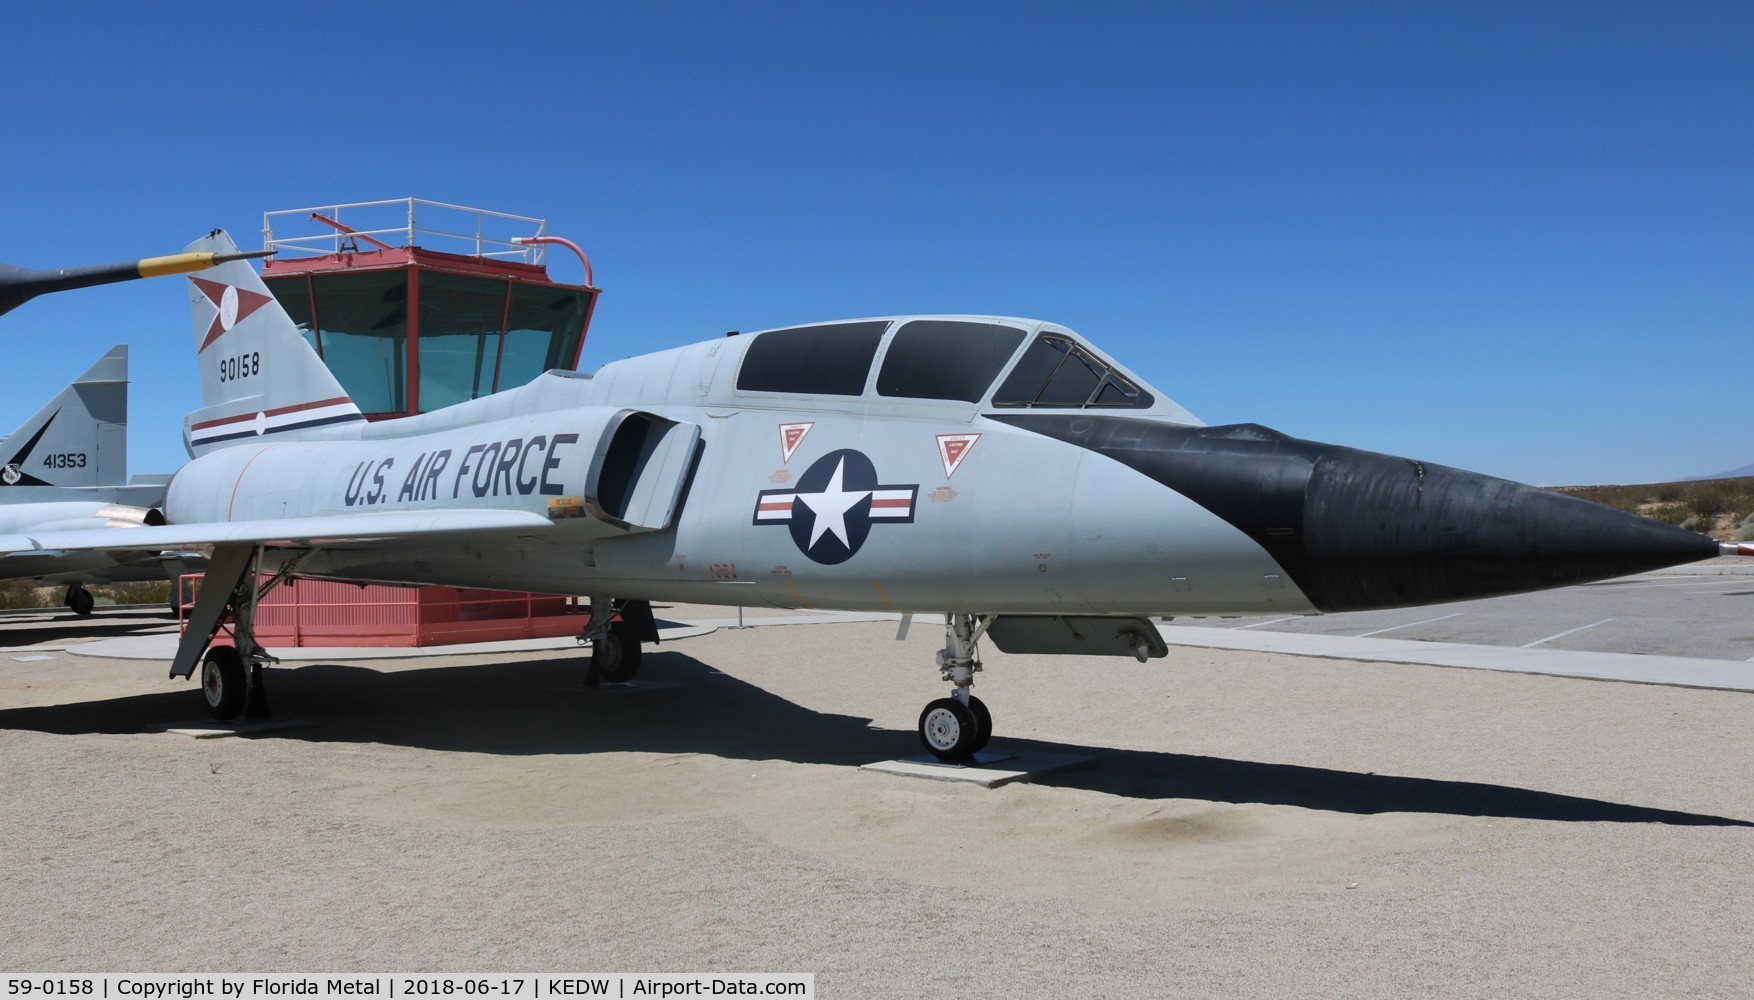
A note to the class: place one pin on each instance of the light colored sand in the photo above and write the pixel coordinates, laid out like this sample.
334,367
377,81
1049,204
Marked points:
1260,825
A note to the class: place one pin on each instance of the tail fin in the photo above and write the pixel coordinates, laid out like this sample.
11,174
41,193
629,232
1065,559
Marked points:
80,438
260,379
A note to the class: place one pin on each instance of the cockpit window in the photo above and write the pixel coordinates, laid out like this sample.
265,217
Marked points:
946,359
831,360
1057,372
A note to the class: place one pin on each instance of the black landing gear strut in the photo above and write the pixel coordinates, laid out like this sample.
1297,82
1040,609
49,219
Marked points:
79,599
958,727
232,676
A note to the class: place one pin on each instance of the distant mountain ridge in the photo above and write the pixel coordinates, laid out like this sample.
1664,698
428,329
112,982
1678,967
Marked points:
1746,470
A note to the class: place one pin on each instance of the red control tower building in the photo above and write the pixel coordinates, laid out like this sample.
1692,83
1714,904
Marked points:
416,305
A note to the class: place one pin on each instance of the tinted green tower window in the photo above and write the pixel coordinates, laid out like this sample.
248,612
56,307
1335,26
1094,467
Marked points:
359,324
363,322
294,295
460,322
543,327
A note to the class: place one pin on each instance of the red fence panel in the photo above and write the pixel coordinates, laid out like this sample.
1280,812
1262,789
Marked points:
307,612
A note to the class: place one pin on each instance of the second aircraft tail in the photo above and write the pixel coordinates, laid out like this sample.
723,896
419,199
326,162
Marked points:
80,438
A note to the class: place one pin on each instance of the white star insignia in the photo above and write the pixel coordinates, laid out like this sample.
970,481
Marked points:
830,507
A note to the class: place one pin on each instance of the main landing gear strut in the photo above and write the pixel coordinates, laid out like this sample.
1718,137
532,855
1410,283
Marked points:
79,599
958,727
614,633
232,676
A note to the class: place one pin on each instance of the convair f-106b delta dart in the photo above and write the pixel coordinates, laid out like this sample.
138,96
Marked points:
1001,472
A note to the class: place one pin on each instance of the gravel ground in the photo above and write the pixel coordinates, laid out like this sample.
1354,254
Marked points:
1258,825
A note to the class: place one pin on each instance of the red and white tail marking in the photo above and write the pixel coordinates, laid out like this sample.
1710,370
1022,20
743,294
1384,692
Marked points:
230,304
281,418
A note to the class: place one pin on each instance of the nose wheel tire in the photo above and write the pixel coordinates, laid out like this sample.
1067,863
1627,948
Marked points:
983,721
615,654
952,731
223,684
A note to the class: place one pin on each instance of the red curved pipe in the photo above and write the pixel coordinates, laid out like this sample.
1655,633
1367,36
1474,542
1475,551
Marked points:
569,244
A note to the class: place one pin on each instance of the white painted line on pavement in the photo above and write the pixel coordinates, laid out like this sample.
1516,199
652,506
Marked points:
1580,628
1674,671
1689,583
1275,621
1391,628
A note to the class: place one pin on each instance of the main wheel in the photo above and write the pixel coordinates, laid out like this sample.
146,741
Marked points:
949,730
223,682
81,601
615,654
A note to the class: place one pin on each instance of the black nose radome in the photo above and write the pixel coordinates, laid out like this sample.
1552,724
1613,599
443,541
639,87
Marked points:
1387,532
1357,530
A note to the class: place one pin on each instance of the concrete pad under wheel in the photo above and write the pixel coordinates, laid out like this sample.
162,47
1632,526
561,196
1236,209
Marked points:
988,769
220,730
630,687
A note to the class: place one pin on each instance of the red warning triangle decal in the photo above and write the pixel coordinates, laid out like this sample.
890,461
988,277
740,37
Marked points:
792,435
953,448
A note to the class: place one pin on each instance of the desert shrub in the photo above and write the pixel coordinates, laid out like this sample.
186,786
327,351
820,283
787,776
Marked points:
1706,499
1694,523
1746,533
144,592
1671,514
25,594
1710,501
1626,500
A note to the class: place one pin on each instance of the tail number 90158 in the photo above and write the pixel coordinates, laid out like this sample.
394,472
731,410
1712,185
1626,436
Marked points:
241,366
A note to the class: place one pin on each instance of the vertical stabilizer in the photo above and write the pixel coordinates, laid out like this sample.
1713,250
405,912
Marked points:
260,380
79,439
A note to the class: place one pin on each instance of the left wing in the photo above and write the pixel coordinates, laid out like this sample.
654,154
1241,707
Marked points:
285,531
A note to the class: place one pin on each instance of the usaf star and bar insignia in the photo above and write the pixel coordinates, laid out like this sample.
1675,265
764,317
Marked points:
831,510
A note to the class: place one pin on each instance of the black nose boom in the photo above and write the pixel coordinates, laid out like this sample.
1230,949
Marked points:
1357,530
19,285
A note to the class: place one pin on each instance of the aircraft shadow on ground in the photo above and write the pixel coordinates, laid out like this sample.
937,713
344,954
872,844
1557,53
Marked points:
541,707
61,626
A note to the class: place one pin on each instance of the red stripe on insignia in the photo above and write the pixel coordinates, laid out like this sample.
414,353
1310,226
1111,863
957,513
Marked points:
892,503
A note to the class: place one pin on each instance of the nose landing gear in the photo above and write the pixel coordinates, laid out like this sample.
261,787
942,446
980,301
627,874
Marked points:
958,727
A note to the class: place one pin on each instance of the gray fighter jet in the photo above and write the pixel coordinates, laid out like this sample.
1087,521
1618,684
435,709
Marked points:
74,476
1003,473
64,469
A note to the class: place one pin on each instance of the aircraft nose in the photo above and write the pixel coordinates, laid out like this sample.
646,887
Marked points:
1380,531
1357,530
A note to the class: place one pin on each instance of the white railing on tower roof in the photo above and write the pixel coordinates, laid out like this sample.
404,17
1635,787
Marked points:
403,222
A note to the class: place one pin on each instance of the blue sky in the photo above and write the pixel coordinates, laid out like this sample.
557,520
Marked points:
1511,237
